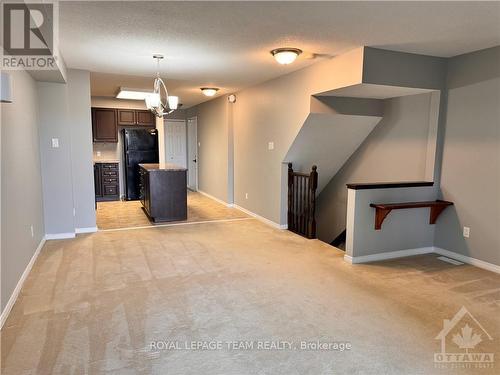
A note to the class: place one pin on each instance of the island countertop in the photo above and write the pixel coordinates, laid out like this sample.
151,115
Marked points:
151,167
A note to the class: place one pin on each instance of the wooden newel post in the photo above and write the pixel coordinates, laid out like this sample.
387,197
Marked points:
313,185
290,197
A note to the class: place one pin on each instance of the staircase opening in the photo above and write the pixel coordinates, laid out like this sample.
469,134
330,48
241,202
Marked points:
339,241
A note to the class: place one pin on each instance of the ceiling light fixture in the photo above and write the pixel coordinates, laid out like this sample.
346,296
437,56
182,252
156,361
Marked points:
286,56
154,100
133,94
209,91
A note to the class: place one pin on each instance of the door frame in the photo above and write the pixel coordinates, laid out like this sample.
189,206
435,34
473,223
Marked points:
195,118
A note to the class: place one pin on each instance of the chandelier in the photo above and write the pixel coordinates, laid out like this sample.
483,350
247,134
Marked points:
154,101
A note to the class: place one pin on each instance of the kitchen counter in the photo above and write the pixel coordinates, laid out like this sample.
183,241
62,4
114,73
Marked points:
162,167
97,161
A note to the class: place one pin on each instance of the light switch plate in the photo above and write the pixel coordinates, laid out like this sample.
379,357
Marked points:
270,146
55,142
466,232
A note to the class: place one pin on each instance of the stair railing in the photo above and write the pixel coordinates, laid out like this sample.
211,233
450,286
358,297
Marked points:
302,201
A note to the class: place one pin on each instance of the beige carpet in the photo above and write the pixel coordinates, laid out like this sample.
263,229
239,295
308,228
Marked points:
129,214
95,305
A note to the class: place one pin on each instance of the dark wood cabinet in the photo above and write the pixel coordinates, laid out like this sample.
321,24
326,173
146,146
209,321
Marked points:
105,122
97,180
104,125
164,192
135,117
145,118
106,181
126,117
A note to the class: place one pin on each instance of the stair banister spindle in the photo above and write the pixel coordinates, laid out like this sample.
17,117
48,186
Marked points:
290,196
302,201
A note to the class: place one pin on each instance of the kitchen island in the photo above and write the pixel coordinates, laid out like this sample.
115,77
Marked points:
163,191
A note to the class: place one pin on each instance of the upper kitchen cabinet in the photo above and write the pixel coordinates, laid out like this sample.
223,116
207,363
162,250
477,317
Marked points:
104,125
134,117
145,118
126,117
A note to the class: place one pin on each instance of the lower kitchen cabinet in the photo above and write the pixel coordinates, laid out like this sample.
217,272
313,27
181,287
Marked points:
106,182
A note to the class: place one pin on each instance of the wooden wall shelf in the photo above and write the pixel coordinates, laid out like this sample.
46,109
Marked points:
383,209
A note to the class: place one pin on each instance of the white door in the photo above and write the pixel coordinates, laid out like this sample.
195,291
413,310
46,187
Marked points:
175,142
192,145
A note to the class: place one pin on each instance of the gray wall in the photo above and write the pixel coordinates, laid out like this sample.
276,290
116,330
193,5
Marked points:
56,162
395,150
80,121
21,183
401,230
67,172
394,68
470,174
214,151
274,111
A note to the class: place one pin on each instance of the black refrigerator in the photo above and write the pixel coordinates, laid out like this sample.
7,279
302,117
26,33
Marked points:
140,146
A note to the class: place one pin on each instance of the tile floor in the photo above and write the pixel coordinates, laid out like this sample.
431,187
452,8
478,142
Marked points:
129,214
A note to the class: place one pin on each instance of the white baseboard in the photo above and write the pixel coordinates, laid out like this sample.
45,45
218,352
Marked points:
19,286
253,214
215,199
86,230
388,255
469,260
59,236
261,218
423,250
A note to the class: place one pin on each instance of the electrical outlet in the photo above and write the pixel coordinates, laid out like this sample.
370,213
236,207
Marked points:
55,142
466,232
246,195
270,146
32,231
98,153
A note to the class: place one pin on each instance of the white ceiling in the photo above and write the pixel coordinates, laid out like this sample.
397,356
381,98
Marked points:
227,44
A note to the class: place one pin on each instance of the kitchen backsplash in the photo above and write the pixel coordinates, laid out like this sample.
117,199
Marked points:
107,151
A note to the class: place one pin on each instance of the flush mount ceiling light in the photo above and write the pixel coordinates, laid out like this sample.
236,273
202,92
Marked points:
154,100
209,91
133,94
286,56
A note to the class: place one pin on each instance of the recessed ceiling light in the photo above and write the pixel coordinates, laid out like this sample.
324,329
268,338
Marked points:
286,56
133,94
209,91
